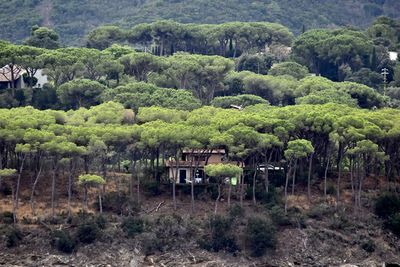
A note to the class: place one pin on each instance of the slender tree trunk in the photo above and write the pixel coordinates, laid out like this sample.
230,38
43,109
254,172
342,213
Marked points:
326,176
287,183
70,182
338,181
19,180
309,178
294,176
100,202
138,182
229,192
14,204
254,184
34,188
53,188
241,189
218,197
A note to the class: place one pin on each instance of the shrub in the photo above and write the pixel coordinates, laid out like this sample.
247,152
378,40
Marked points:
63,241
13,236
114,202
331,189
393,223
279,217
236,211
101,222
132,226
119,203
319,211
170,230
368,245
150,243
260,234
220,236
151,188
5,189
387,205
7,217
87,233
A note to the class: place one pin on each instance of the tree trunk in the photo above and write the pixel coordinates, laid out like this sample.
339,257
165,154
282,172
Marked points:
294,176
217,200
34,188
70,181
53,188
309,178
229,192
254,185
100,203
286,184
326,175
19,180
241,189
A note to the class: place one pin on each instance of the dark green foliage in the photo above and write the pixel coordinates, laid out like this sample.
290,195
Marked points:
87,233
368,245
151,188
320,211
236,212
240,100
132,226
258,63
387,205
279,217
7,217
73,19
13,236
220,236
63,241
260,235
393,223
101,221
119,203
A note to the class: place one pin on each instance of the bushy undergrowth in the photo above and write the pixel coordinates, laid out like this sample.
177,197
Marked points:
260,235
219,236
387,207
7,217
87,233
132,226
13,236
63,241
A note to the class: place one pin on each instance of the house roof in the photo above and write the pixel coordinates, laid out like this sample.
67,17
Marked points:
5,73
204,151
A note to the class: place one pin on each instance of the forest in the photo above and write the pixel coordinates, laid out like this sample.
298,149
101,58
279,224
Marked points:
74,19
100,132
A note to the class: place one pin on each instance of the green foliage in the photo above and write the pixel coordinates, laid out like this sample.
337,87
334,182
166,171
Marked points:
289,68
393,223
387,205
220,236
7,217
260,235
223,170
137,95
73,19
63,241
132,226
13,236
91,179
88,232
240,100
43,37
7,172
80,93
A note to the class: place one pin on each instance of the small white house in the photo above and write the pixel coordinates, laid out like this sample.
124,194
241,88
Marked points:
9,77
393,55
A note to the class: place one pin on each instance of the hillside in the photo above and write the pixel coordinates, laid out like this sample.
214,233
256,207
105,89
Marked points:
73,19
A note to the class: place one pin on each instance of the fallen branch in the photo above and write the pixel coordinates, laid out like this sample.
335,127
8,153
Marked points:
156,208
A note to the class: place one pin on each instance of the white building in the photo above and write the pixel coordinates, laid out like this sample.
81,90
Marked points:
9,77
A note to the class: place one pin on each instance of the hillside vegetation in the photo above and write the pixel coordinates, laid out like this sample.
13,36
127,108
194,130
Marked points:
73,19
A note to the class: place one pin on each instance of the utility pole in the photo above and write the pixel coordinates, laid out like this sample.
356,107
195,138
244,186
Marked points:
385,73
